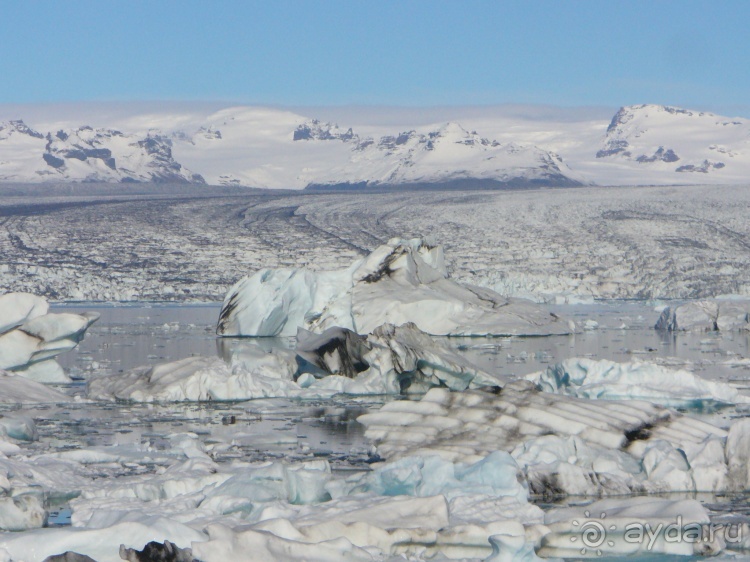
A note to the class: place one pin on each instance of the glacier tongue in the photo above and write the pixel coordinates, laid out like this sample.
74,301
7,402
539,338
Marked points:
399,282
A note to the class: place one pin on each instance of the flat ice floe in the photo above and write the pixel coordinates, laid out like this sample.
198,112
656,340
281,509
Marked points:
399,282
391,360
30,337
417,507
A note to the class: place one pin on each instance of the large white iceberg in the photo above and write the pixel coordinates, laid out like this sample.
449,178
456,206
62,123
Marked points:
399,282
469,425
30,337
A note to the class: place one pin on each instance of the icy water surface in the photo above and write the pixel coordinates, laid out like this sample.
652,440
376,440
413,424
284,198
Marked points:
128,336
131,335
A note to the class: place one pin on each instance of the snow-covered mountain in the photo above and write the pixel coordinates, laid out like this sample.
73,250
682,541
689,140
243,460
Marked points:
267,148
447,156
255,147
274,148
669,142
87,154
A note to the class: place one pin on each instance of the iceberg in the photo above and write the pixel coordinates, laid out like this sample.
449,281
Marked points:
22,512
336,351
737,453
419,506
608,380
448,423
198,379
399,282
156,551
495,475
706,316
30,337
17,308
69,556
17,389
391,360
565,445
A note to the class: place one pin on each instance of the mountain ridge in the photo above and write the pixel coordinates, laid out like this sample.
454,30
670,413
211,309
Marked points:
273,148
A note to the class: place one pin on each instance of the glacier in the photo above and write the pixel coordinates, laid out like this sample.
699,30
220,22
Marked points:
567,246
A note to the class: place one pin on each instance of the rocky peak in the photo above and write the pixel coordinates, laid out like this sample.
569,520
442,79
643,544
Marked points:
18,126
315,130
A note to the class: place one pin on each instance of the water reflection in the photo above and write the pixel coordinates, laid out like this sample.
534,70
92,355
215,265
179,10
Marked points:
134,335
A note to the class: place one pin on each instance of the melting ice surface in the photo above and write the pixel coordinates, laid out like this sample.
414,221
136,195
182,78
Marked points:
303,431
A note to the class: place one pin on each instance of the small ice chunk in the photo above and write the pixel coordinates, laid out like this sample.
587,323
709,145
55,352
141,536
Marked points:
21,513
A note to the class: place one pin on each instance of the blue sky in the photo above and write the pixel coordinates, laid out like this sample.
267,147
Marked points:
408,53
